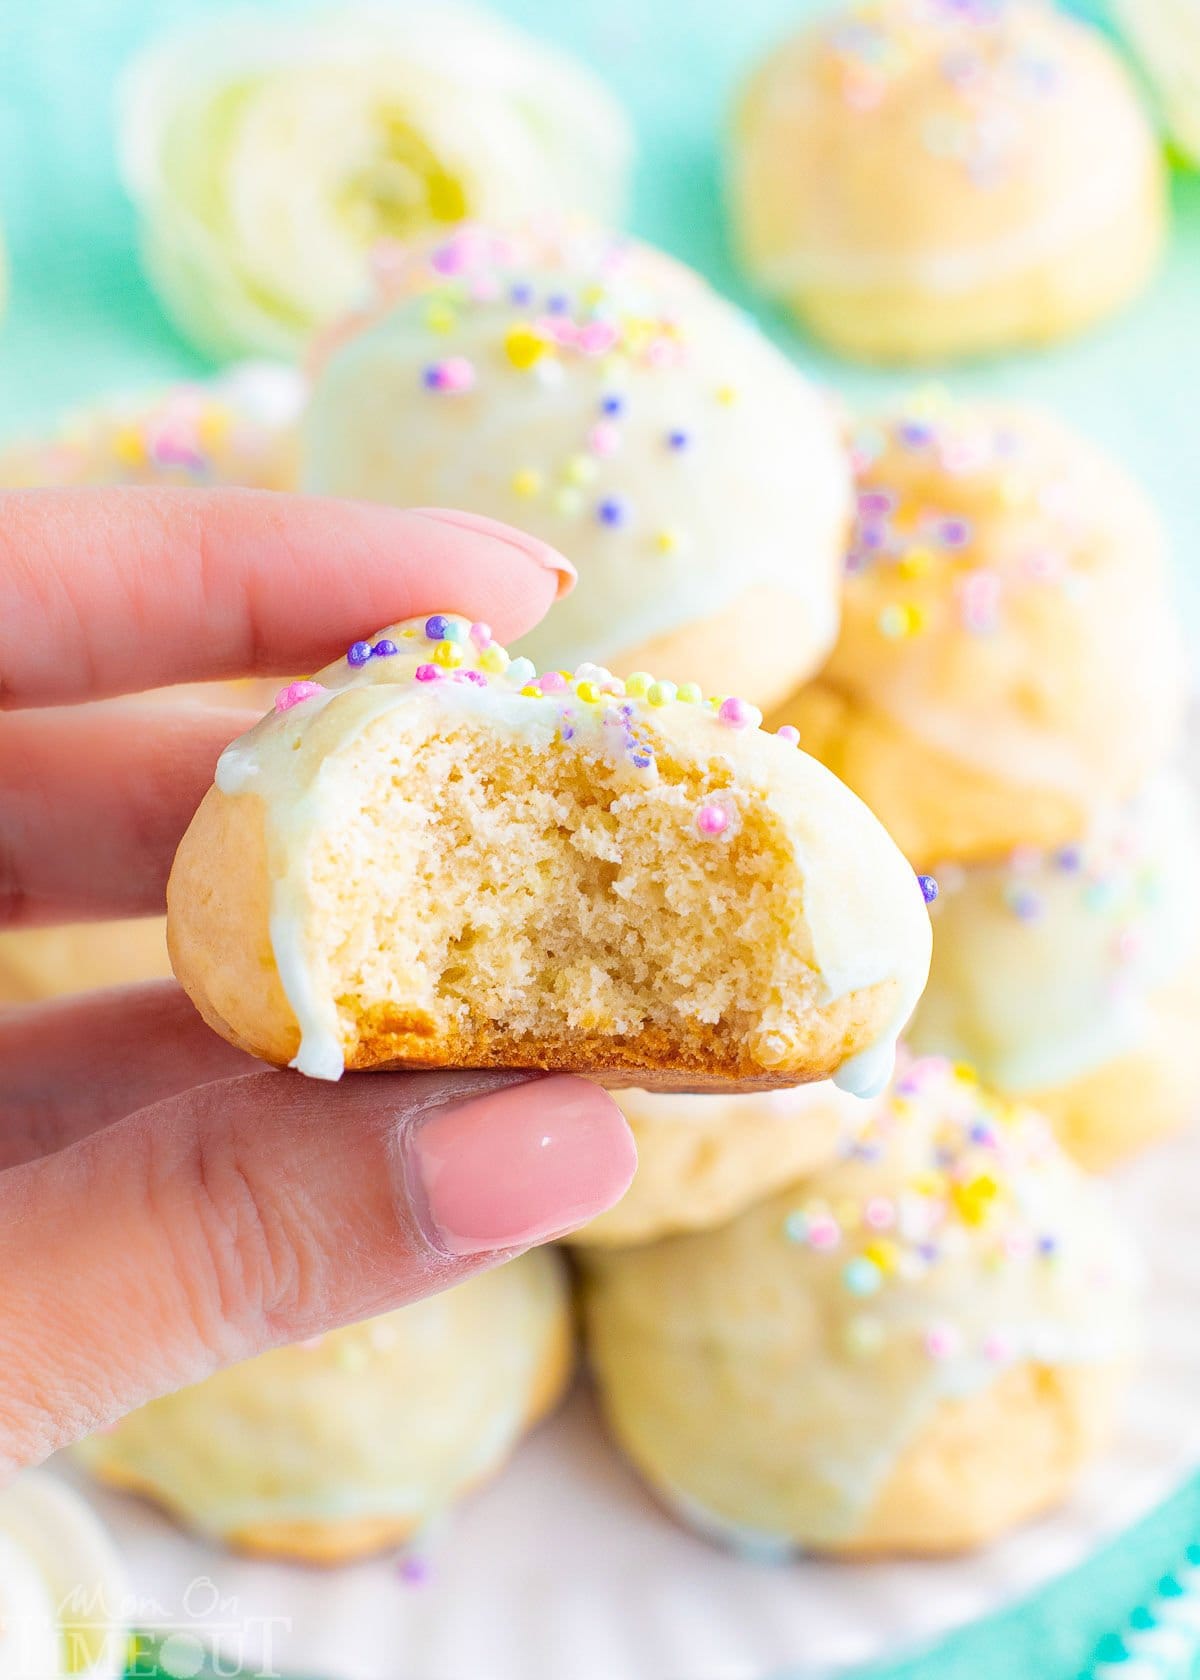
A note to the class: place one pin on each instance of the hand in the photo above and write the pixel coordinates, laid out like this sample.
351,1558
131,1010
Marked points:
166,1205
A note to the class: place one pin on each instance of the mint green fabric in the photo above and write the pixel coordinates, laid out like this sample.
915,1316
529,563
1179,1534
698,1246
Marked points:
82,321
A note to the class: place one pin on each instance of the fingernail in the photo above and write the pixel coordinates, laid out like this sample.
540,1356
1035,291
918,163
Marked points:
534,547
517,1166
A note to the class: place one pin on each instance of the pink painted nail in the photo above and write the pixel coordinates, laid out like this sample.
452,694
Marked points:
533,547
517,1166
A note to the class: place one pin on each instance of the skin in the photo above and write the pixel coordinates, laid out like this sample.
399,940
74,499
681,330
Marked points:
166,1206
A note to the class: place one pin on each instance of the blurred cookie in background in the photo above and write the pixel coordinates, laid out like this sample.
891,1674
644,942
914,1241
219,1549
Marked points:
910,1351
921,180
586,388
350,1444
1010,659
702,1159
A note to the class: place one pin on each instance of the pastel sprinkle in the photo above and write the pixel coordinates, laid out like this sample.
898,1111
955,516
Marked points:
494,660
526,483
612,511
739,714
638,684
453,375
522,671
789,734
604,438
481,634
297,692
448,654
678,439
712,820
553,682
661,693
525,346
690,693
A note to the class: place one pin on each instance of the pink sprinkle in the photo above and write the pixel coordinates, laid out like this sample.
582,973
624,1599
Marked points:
942,1341
998,1347
823,1231
295,692
456,373
476,677
787,733
481,635
597,337
879,1213
426,673
552,682
485,288
712,819
604,438
739,714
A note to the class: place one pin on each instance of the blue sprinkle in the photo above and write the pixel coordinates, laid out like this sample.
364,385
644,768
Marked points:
612,405
1047,1245
928,886
384,649
521,294
613,510
558,303
359,653
435,627
678,440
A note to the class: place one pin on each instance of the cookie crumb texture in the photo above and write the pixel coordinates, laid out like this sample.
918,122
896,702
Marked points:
430,872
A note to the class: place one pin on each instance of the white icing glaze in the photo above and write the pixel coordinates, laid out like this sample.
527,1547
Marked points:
1043,965
789,1359
756,494
863,908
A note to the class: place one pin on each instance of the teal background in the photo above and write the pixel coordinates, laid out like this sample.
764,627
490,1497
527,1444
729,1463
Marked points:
82,321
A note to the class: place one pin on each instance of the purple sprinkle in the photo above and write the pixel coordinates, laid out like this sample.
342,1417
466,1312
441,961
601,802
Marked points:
876,501
1047,1245
426,673
613,510
928,886
436,627
678,439
432,377
612,405
521,294
384,649
359,653
915,434
415,1571
568,732
642,760
558,303
953,533
1069,858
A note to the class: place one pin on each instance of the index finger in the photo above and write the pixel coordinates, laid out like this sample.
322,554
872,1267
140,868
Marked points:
113,591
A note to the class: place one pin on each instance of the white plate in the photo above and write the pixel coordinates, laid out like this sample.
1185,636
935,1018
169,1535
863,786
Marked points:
564,1569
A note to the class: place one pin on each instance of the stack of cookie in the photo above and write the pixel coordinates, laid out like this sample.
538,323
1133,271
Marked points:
1007,694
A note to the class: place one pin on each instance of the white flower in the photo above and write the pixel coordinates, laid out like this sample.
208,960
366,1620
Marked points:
269,156
1166,36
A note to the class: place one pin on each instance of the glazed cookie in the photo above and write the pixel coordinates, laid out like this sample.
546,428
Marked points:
701,1160
432,856
1067,976
350,1444
1009,658
923,179
237,429
910,1351
588,389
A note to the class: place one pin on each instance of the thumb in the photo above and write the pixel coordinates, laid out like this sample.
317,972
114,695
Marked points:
254,1211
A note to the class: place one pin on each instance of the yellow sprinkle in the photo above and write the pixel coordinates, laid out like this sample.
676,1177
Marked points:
494,660
848,1215
638,684
974,1198
408,635
884,1254
666,542
588,692
726,395
690,693
524,346
928,1183
531,691
568,501
915,563
965,1072
448,654
580,469
661,693
900,619
439,317
527,482
213,428
128,447
592,295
